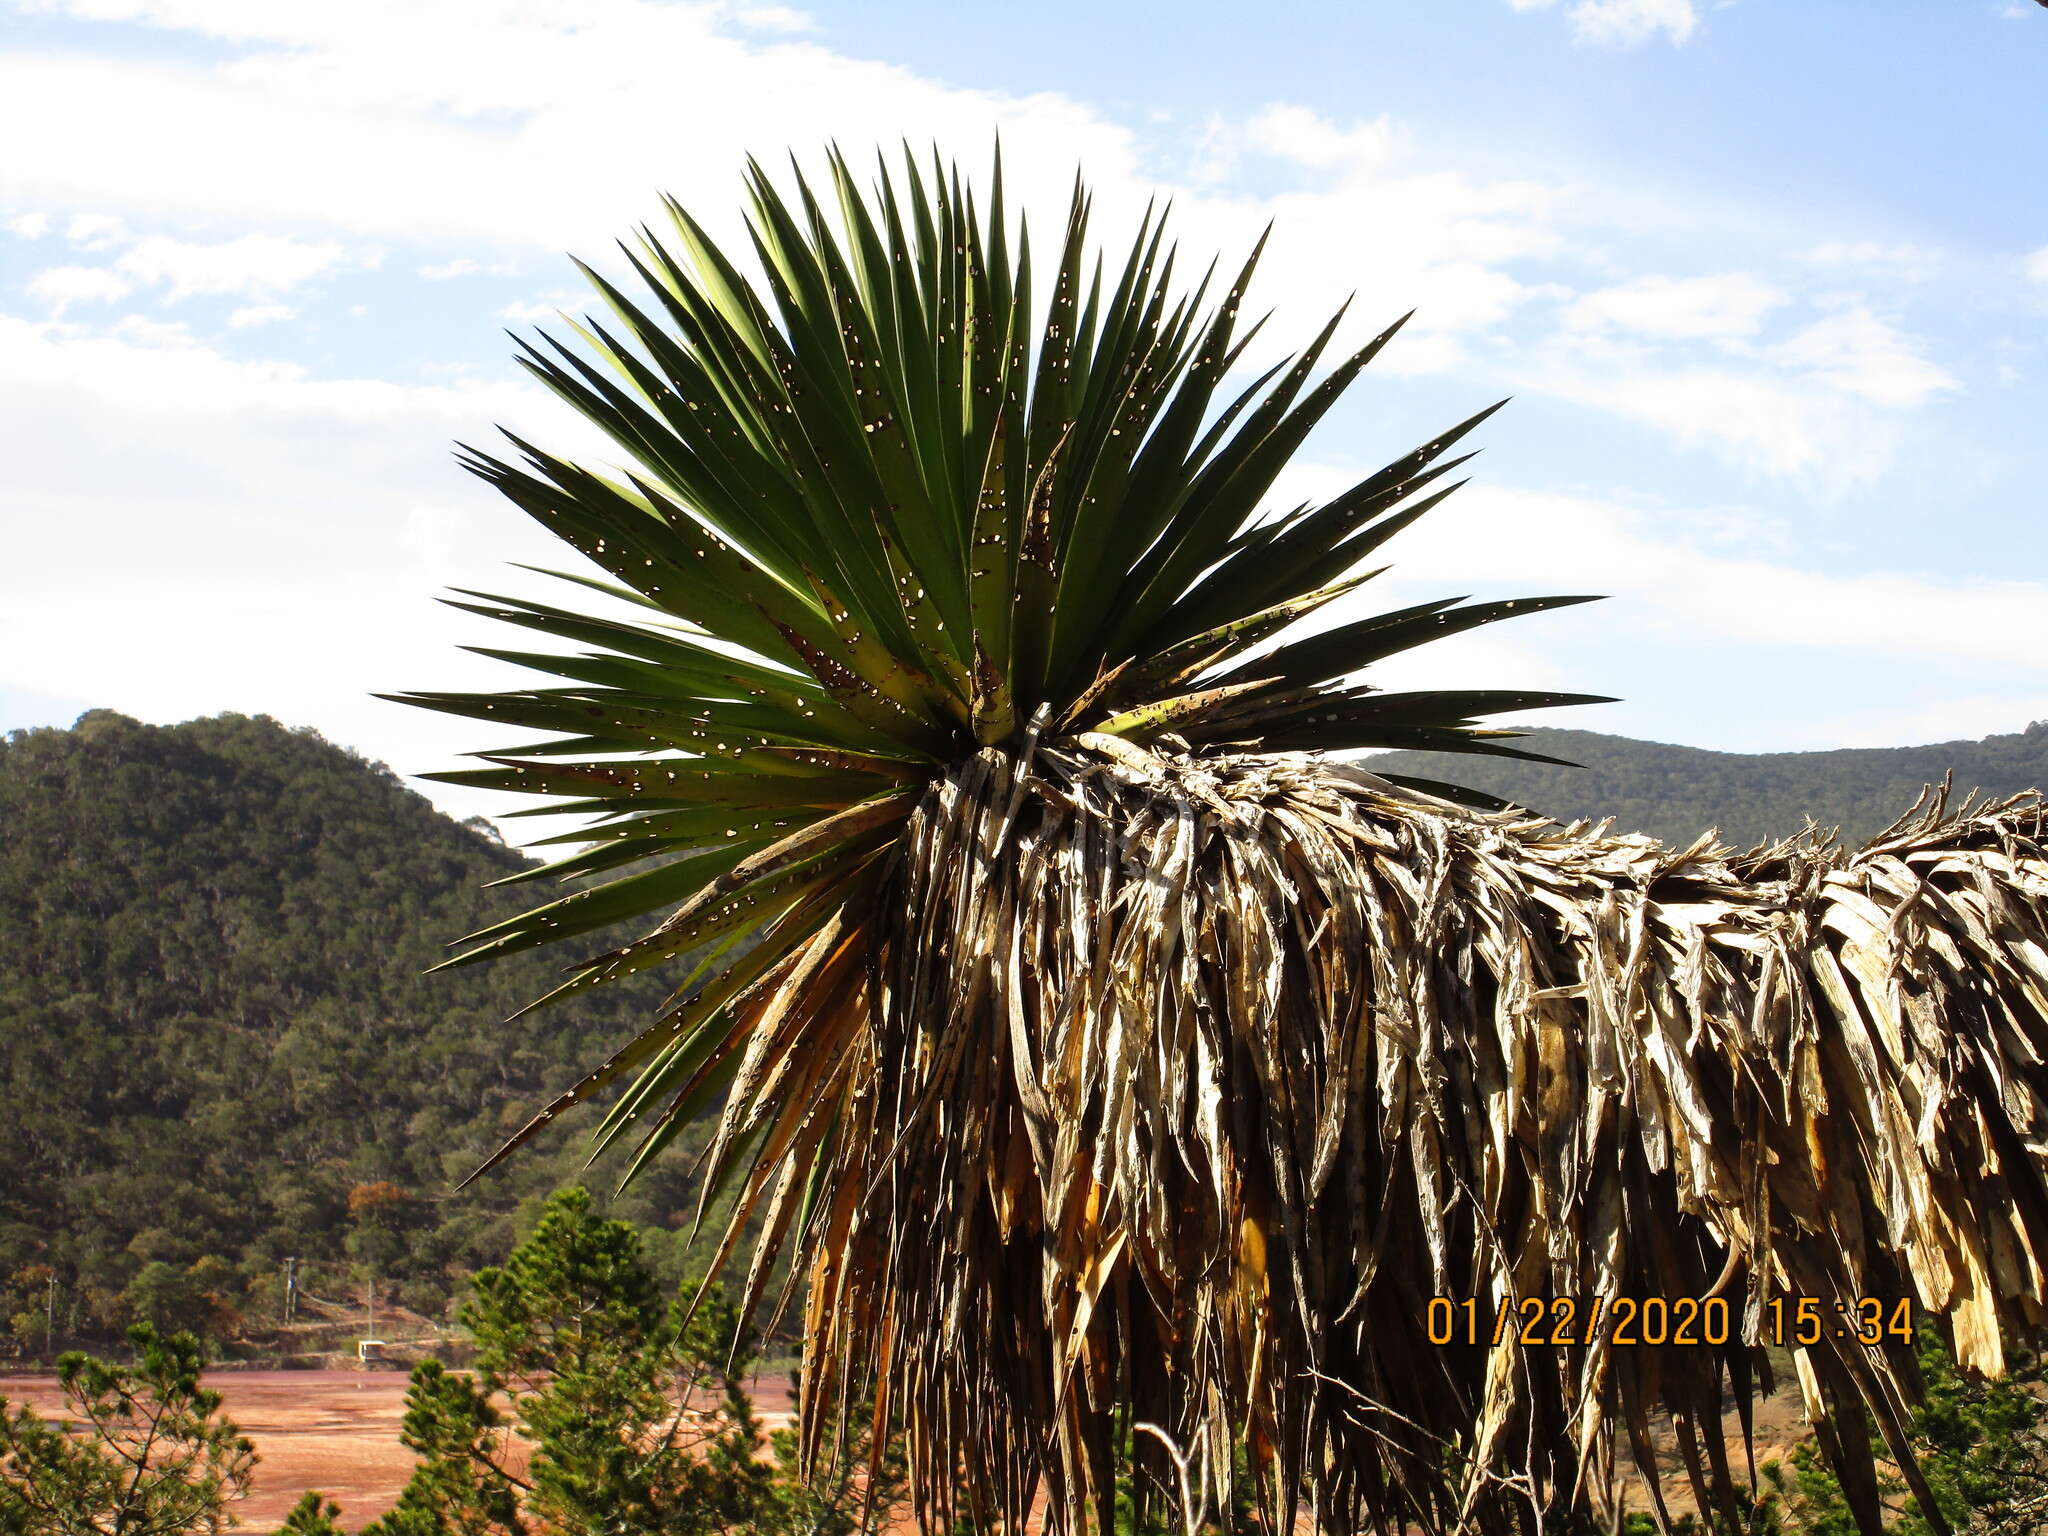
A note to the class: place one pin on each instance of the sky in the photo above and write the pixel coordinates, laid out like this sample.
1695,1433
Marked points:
1767,280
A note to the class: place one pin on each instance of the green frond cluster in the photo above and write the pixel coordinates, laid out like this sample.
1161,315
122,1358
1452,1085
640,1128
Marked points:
896,502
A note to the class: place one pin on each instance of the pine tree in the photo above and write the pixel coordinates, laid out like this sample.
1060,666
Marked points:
155,1458
622,1411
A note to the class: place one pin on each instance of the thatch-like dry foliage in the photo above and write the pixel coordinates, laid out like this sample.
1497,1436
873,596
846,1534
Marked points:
1125,1077
1192,1080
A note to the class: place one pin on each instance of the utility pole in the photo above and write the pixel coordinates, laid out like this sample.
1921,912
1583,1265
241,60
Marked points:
291,1289
50,1316
372,1291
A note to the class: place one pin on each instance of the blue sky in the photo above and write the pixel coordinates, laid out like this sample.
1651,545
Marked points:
1768,280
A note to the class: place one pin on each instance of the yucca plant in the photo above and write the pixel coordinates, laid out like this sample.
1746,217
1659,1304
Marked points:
1121,1073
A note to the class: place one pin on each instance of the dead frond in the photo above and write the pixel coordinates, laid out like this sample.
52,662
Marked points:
1190,1082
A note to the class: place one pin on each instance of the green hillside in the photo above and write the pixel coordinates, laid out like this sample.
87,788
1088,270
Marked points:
216,1046
1676,793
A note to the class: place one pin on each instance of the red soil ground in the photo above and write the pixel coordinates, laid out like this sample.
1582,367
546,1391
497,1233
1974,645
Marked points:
336,1431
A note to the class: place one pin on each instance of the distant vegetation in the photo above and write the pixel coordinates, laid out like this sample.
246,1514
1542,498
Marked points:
602,1401
605,1401
1676,793
217,1048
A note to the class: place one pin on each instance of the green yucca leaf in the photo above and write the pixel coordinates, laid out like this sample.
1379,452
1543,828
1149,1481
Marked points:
1457,794
600,906
695,826
706,780
1345,650
1355,719
1337,731
614,853
1188,658
747,907
677,652
609,589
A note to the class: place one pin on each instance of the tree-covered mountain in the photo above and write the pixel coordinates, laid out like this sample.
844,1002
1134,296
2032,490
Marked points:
1676,793
217,1048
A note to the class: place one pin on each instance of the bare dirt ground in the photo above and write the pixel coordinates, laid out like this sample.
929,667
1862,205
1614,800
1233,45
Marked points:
1777,1423
336,1431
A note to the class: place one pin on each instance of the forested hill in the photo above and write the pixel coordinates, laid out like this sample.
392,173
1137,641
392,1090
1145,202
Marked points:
1676,793
216,1044
217,1048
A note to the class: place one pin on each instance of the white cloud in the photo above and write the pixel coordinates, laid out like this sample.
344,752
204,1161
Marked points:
547,307
187,449
1729,304
314,122
1624,23
1955,717
96,231
259,314
1698,597
1457,236
1860,354
461,266
320,121
63,287
141,331
29,226
1910,263
2035,265
1805,405
1308,138
253,265
773,18
1701,586
1766,425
